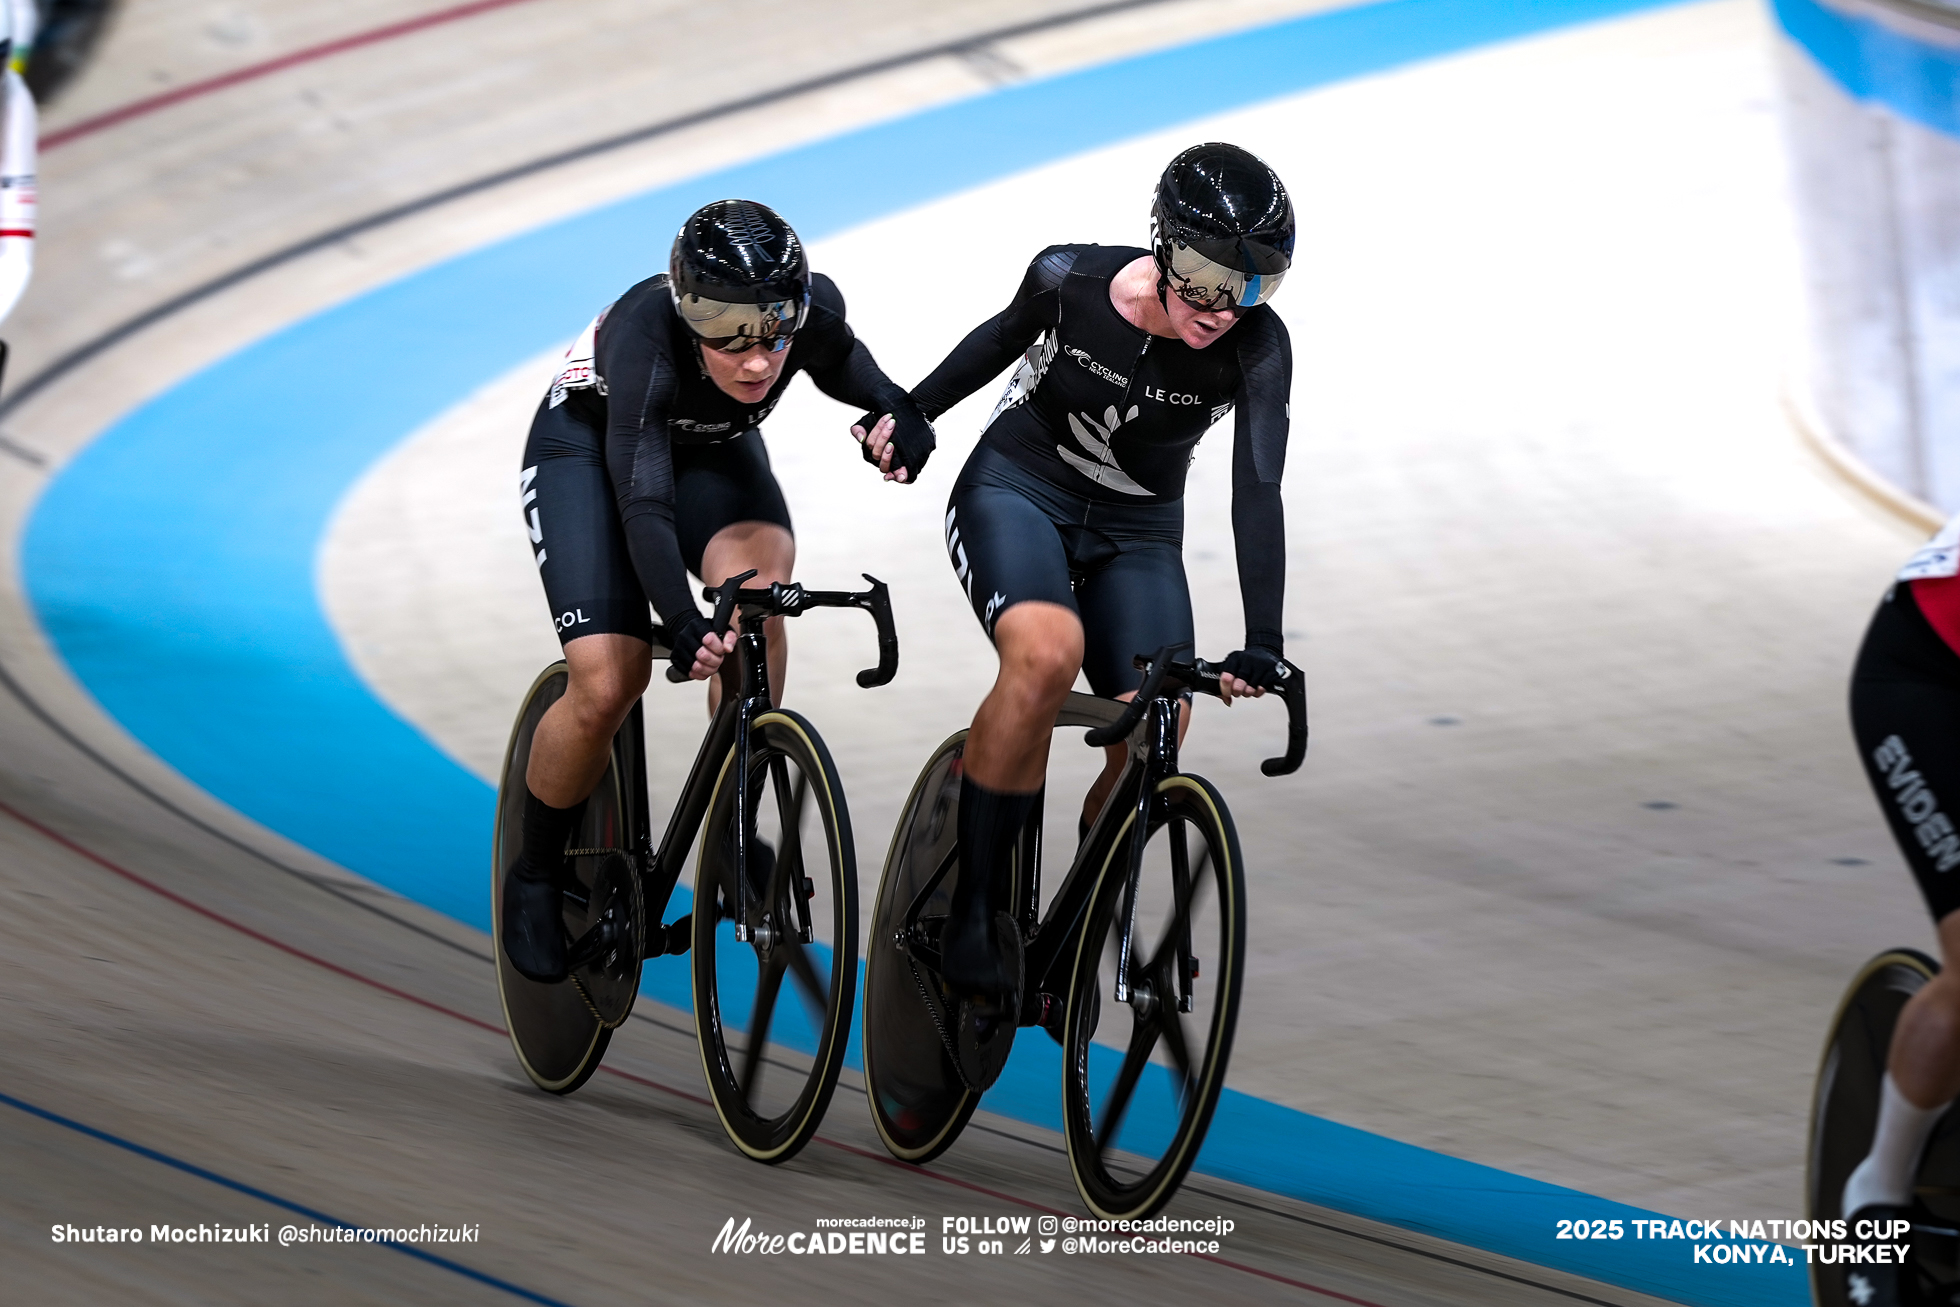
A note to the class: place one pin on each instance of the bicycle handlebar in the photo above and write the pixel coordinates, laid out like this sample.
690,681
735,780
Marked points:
790,599
1163,672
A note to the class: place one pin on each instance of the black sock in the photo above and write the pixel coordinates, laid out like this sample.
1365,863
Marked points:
546,832
990,822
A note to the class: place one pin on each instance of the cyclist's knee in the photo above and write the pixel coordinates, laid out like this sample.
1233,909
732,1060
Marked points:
1040,648
606,678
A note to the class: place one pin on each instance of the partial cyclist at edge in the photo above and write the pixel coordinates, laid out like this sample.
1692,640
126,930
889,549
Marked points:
1066,525
1905,714
646,463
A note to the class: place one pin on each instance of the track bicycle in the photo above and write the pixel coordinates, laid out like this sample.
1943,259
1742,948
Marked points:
767,799
1143,921
1844,1116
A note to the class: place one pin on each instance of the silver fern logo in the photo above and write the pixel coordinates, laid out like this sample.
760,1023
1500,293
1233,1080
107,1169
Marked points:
1095,436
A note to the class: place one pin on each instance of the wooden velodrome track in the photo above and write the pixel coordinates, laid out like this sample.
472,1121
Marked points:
1592,853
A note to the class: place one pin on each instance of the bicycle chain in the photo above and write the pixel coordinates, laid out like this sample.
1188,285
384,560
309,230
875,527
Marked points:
932,1010
584,994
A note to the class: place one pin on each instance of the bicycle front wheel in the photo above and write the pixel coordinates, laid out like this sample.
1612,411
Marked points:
1142,1076
773,1012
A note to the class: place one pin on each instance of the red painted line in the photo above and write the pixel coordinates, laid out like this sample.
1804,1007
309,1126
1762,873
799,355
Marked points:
144,882
252,72
17,231
239,926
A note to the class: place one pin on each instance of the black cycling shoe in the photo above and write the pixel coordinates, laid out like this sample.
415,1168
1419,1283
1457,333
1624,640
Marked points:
534,924
1877,1284
982,969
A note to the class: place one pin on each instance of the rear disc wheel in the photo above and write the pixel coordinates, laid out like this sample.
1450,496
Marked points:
560,1031
919,1101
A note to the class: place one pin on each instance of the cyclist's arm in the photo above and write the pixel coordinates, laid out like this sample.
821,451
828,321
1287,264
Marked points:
1258,460
992,346
842,367
838,361
640,386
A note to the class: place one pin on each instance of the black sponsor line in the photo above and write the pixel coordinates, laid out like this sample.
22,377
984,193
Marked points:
123,331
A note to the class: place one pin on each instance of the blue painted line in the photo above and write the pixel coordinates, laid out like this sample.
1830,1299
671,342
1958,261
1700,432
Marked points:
172,561
251,1191
1917,80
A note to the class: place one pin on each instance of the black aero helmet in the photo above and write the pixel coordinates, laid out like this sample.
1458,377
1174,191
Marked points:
1221,228
739,275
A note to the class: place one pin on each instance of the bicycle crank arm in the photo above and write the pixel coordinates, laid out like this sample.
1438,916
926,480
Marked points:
674,939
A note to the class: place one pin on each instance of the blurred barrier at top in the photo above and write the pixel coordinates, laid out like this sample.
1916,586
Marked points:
1872,108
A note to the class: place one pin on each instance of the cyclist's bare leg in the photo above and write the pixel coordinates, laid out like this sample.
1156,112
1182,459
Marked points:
771,551
608,674
1006,761
1040,647
1922,1077
1925,1058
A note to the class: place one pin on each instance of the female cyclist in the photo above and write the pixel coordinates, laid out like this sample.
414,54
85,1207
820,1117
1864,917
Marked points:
1066,525
645,463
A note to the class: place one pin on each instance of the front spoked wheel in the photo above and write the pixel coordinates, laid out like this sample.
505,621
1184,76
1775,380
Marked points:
1142,1076
774,1011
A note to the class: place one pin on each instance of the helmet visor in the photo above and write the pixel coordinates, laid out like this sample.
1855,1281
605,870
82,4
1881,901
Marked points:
735,328
1209,286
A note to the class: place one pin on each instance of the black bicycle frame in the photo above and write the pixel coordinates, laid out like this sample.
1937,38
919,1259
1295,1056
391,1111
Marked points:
1148,724
744,695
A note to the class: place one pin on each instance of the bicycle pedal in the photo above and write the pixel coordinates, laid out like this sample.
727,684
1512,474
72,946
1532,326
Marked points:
809,888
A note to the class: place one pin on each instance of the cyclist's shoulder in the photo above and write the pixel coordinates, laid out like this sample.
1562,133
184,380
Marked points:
827,307
1262,339
1085,260
645,312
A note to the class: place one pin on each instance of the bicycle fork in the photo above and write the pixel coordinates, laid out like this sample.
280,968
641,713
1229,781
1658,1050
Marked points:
1159,761
754,699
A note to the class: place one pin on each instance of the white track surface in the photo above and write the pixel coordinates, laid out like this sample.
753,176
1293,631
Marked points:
1540,488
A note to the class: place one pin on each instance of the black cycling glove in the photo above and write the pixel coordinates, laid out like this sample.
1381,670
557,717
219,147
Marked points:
1256,664
913,438
684,641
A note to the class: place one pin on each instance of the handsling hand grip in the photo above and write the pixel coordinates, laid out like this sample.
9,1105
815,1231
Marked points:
1293,688
725,596
1203,676
878,602
788,599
